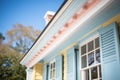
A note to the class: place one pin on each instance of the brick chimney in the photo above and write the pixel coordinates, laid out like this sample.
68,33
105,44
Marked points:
48,16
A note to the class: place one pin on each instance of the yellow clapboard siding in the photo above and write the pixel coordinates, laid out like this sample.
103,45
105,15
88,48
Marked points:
64,65
37,71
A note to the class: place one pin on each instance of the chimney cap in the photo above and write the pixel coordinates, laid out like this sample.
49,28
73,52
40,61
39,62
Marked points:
49,13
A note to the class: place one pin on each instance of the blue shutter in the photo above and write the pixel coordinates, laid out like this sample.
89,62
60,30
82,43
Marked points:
71,64
45,75
58,68
110,55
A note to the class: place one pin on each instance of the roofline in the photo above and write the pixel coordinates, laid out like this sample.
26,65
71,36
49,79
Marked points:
45,28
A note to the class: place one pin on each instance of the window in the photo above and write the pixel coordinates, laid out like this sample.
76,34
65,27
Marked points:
90,59
52,70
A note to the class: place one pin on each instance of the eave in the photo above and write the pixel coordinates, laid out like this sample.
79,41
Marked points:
54,36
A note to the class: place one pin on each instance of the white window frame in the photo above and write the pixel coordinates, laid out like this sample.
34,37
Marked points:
52,62
82,70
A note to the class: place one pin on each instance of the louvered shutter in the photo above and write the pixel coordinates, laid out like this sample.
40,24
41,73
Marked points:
71,64
58,68
110,55
45,75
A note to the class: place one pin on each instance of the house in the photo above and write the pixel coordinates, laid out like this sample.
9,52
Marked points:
81,42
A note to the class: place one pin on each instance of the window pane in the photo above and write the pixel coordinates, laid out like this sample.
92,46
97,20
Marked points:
50,74
98,56
90,46
100,71
54,65
51,66
53,73
84,61
83,49
91,59
94,73
97,42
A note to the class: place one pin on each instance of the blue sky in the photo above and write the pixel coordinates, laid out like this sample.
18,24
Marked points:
26,12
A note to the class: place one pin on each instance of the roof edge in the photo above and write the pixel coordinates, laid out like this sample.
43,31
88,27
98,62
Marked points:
65,1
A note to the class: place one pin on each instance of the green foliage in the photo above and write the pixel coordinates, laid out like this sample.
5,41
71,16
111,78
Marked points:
10,67
20,39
